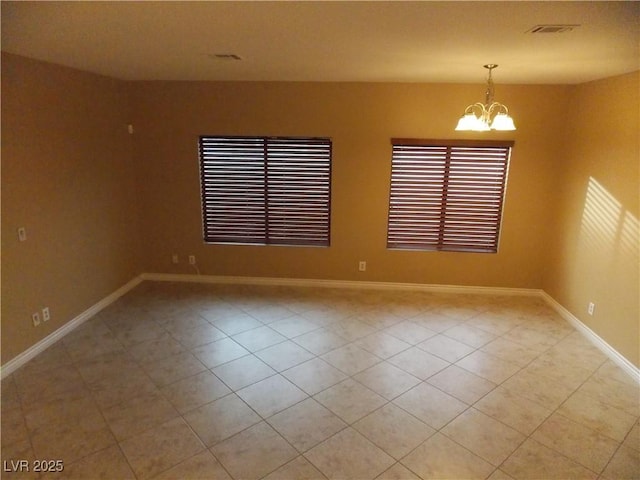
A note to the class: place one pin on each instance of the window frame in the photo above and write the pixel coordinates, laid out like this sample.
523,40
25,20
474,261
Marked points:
432,176
289,203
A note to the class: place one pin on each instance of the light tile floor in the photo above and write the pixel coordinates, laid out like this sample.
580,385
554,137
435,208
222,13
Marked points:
181,381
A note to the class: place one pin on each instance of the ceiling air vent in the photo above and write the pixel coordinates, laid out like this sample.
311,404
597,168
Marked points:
551,28
225,56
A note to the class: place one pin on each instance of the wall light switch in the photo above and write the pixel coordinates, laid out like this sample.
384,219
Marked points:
22,234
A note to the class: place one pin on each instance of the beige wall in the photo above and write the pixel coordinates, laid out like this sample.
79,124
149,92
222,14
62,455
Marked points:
361,119
595,235
77,181
67,177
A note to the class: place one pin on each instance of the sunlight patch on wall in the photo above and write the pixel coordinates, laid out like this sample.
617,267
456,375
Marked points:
607,230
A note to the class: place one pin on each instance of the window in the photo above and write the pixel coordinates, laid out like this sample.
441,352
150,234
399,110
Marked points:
447,195
266,190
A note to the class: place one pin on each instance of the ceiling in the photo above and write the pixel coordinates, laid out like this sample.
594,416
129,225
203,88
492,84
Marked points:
379,41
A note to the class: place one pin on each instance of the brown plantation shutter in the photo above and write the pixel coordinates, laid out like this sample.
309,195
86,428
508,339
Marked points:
298,191
266,190
447,195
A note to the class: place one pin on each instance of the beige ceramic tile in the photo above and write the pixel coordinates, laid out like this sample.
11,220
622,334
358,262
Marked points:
71,440
294,326
530,338
14,428
271,313
432,406
462,384
298,469
398,472
510,351
539,389
107,464
254,452
610,370
9,398
436,321
625,465
534,461
235,323
203,466
306,424
518,412
382,344
53,357
494,324
442,458
199,335
160,448
108,366
350,400
386,380
487,366
244,371
65,411
192,392
500,475
221,419
258,338
314,376
393,430
474,337
174,368
82,348
13,454
598,416
350,359
157,349
418,363
446,348
284,355
271,395
484,436
39,386
559,371
633,437
130,383
352,329
410,332
349,455
219,352
621,395
138,414
320,341
138,332
579,443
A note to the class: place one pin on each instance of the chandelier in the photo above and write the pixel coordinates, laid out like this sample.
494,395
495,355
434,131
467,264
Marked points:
489,115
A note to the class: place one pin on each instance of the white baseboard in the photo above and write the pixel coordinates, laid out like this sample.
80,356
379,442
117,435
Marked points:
354,284
597,341
16,362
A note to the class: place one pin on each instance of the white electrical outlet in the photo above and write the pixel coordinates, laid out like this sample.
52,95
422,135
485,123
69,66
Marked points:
192,259
22,234
174,258
35,318
592,307
362,266
46,316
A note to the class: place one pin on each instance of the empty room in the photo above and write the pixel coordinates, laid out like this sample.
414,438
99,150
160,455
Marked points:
320,240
